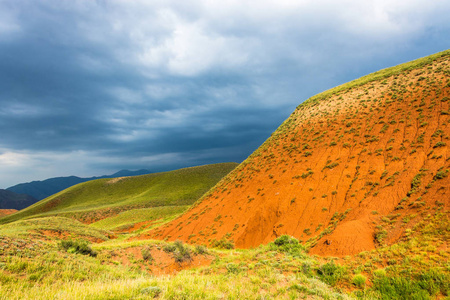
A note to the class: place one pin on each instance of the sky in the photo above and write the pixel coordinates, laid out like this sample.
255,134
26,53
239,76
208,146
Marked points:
92,87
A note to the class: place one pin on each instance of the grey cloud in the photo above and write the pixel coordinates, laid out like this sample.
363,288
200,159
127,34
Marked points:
87,87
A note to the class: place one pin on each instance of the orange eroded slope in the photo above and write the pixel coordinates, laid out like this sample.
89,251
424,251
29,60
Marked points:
5,212
338,171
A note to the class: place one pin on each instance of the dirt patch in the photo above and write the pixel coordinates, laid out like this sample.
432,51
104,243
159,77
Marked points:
136,226
162,263
114,180
6,212
51,204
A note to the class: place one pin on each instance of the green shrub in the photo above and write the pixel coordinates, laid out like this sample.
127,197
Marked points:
439,144
331,273
307,269
399,288
441,174
170,248
77,246
415,183
147,254
200,249
232,268
182,253
179,251
380,235
152,291
359,280
285,240
288,244
223,244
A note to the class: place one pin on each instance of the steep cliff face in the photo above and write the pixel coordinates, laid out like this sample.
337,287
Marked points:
350,168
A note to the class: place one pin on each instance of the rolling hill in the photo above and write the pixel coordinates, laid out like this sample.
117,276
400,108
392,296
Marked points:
102,198
353,168
45,188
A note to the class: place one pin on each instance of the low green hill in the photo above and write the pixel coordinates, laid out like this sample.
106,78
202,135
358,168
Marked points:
53,228
98,199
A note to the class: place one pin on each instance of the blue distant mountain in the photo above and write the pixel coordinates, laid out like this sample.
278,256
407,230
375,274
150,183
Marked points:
42,189
9,199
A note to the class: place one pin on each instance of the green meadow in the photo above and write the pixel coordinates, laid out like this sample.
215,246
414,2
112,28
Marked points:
93,200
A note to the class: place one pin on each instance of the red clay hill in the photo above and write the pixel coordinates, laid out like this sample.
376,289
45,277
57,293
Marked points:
351,168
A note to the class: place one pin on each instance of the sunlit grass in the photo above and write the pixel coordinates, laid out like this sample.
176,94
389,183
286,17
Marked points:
128,218
91,200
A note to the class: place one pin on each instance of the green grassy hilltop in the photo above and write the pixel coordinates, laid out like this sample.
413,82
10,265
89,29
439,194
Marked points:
98,199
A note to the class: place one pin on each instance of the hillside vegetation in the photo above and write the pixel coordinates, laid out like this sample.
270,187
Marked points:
38,261
98,199
351,169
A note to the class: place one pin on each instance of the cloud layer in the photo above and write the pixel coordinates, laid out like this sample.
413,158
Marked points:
90,87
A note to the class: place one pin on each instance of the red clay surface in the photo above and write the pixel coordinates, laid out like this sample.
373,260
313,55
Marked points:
5,212
334,171
162,264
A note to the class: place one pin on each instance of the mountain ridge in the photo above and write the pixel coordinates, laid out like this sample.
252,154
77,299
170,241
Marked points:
12,200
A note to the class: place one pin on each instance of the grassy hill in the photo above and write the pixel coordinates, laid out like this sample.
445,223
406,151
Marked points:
45,188
352,169
98,199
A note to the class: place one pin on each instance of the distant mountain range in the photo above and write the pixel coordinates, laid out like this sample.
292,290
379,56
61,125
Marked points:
38,190
11,200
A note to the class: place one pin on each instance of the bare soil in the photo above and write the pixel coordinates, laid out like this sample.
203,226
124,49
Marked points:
5,212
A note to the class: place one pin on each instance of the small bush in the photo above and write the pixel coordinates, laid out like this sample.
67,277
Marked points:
285,240
170,248
415,184
439,144
182,253
200,249
380,235
288,244
179,251
331,273
77,246
152,291
147,254
223,244
441,174
232,268
359,280
307,269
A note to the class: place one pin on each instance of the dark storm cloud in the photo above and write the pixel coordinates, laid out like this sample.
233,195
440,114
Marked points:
89,87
